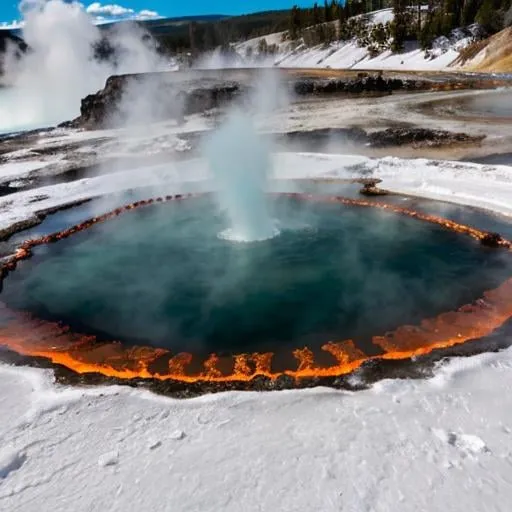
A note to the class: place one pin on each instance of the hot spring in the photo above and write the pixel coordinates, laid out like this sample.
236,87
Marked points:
241,283
154,291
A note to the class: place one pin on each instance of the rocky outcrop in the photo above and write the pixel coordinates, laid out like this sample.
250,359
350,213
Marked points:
418,137
129,99
370,187
493,240
363,83
380,83
316,140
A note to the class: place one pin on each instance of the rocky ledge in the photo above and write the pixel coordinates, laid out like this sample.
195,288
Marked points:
129,99
365,82
315,140
418,137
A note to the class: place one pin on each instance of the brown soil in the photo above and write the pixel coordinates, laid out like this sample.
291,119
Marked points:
492,55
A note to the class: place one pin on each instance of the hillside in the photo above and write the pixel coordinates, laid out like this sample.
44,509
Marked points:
358,52
490,55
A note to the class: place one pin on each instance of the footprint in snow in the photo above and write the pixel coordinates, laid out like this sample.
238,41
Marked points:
468,444
10,460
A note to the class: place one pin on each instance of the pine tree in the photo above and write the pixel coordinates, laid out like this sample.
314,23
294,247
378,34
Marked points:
489,16
295,23
399,25
263,47
327,12
316,14
469,11
342,22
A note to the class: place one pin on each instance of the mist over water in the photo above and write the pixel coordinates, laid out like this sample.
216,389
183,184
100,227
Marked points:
46,85
240,162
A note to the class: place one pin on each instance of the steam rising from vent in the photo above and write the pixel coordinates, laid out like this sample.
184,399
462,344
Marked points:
240,162
62,64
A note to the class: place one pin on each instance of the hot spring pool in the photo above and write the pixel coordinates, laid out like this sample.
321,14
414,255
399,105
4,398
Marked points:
493,104
162,276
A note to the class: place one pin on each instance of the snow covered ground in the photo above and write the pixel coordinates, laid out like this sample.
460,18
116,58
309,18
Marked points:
485,186
348,55
428,445
435,445
339,55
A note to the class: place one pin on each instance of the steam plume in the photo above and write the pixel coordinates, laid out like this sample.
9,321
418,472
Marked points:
62,66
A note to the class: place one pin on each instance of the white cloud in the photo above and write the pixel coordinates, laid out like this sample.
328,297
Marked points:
148,14
114,10
101,13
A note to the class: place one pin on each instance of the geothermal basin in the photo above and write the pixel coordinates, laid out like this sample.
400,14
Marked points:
156,291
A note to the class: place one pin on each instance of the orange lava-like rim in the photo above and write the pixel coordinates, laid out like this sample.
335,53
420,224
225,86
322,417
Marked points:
30,336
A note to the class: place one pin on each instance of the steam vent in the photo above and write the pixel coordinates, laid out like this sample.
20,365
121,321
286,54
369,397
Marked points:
154,293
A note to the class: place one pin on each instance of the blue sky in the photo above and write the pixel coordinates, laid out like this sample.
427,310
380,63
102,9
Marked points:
150,8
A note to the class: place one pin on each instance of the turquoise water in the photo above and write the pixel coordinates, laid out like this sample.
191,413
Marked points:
162,276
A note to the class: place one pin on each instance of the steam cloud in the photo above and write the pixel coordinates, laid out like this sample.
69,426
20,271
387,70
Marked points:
61,67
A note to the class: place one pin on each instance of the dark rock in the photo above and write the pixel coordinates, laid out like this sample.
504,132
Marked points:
160,96
362,83
418,137
313,140
493,240
304,87
284,382
370,187
373,191
172,95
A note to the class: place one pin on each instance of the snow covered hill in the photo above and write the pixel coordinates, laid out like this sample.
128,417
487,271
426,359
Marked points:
349,54
490,55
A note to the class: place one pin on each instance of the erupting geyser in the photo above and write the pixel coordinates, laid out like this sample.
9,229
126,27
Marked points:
240,161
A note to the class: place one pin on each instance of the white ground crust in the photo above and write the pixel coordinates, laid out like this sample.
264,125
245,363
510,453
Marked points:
436,445
465,183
